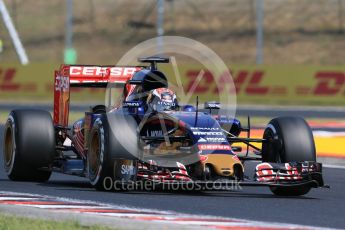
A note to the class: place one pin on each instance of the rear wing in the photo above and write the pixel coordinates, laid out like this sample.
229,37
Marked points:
85,76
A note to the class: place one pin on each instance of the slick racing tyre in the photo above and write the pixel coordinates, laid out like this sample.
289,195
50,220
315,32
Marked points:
290,139
108,159
29,145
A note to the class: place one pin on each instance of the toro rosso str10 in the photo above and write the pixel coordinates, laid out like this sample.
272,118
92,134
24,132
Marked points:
149,136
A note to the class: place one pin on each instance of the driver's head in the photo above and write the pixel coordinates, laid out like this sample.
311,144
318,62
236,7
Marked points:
162,99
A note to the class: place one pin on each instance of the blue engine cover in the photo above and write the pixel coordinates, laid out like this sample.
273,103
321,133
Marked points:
231,125
206,132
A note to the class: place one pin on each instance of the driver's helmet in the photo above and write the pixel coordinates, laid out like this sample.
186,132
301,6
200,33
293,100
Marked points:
162,99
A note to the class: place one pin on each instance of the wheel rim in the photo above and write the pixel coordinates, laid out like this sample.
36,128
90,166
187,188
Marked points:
8,151
94,156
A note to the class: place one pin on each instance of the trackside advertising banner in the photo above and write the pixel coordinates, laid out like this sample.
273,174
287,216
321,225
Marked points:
35,82
284,84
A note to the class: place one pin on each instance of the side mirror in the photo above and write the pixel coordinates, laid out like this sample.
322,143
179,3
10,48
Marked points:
211,105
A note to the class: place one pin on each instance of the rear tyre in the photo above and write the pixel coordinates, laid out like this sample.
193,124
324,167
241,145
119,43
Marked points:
29,145
290,139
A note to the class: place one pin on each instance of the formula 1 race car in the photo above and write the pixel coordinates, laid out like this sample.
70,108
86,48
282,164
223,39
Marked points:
150,137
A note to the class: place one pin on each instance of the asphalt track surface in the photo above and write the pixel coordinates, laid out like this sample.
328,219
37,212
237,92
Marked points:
321,207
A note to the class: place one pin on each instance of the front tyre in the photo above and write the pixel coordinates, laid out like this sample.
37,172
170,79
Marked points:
108,160
98,161
289,139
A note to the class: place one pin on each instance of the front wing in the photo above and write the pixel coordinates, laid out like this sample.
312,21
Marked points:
289,173
266,174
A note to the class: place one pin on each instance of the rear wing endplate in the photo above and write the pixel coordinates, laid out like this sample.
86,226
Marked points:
84,76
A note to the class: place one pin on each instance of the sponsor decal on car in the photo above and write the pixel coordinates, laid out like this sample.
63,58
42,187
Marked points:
127,170
264,172
131,104
202,140
165,103
206,131
62,83
205,128
199,133
268,173
212,105
154,133
214,147
212,139
215,139
86,71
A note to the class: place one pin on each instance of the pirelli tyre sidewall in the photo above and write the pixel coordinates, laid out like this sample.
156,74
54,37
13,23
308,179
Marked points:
29,145
98,163
106,156
290,139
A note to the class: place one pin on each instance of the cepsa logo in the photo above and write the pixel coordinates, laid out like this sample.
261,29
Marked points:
102,71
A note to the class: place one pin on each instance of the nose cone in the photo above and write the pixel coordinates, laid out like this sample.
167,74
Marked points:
223,164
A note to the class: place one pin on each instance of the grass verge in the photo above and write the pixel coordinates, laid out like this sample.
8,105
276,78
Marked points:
15,222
